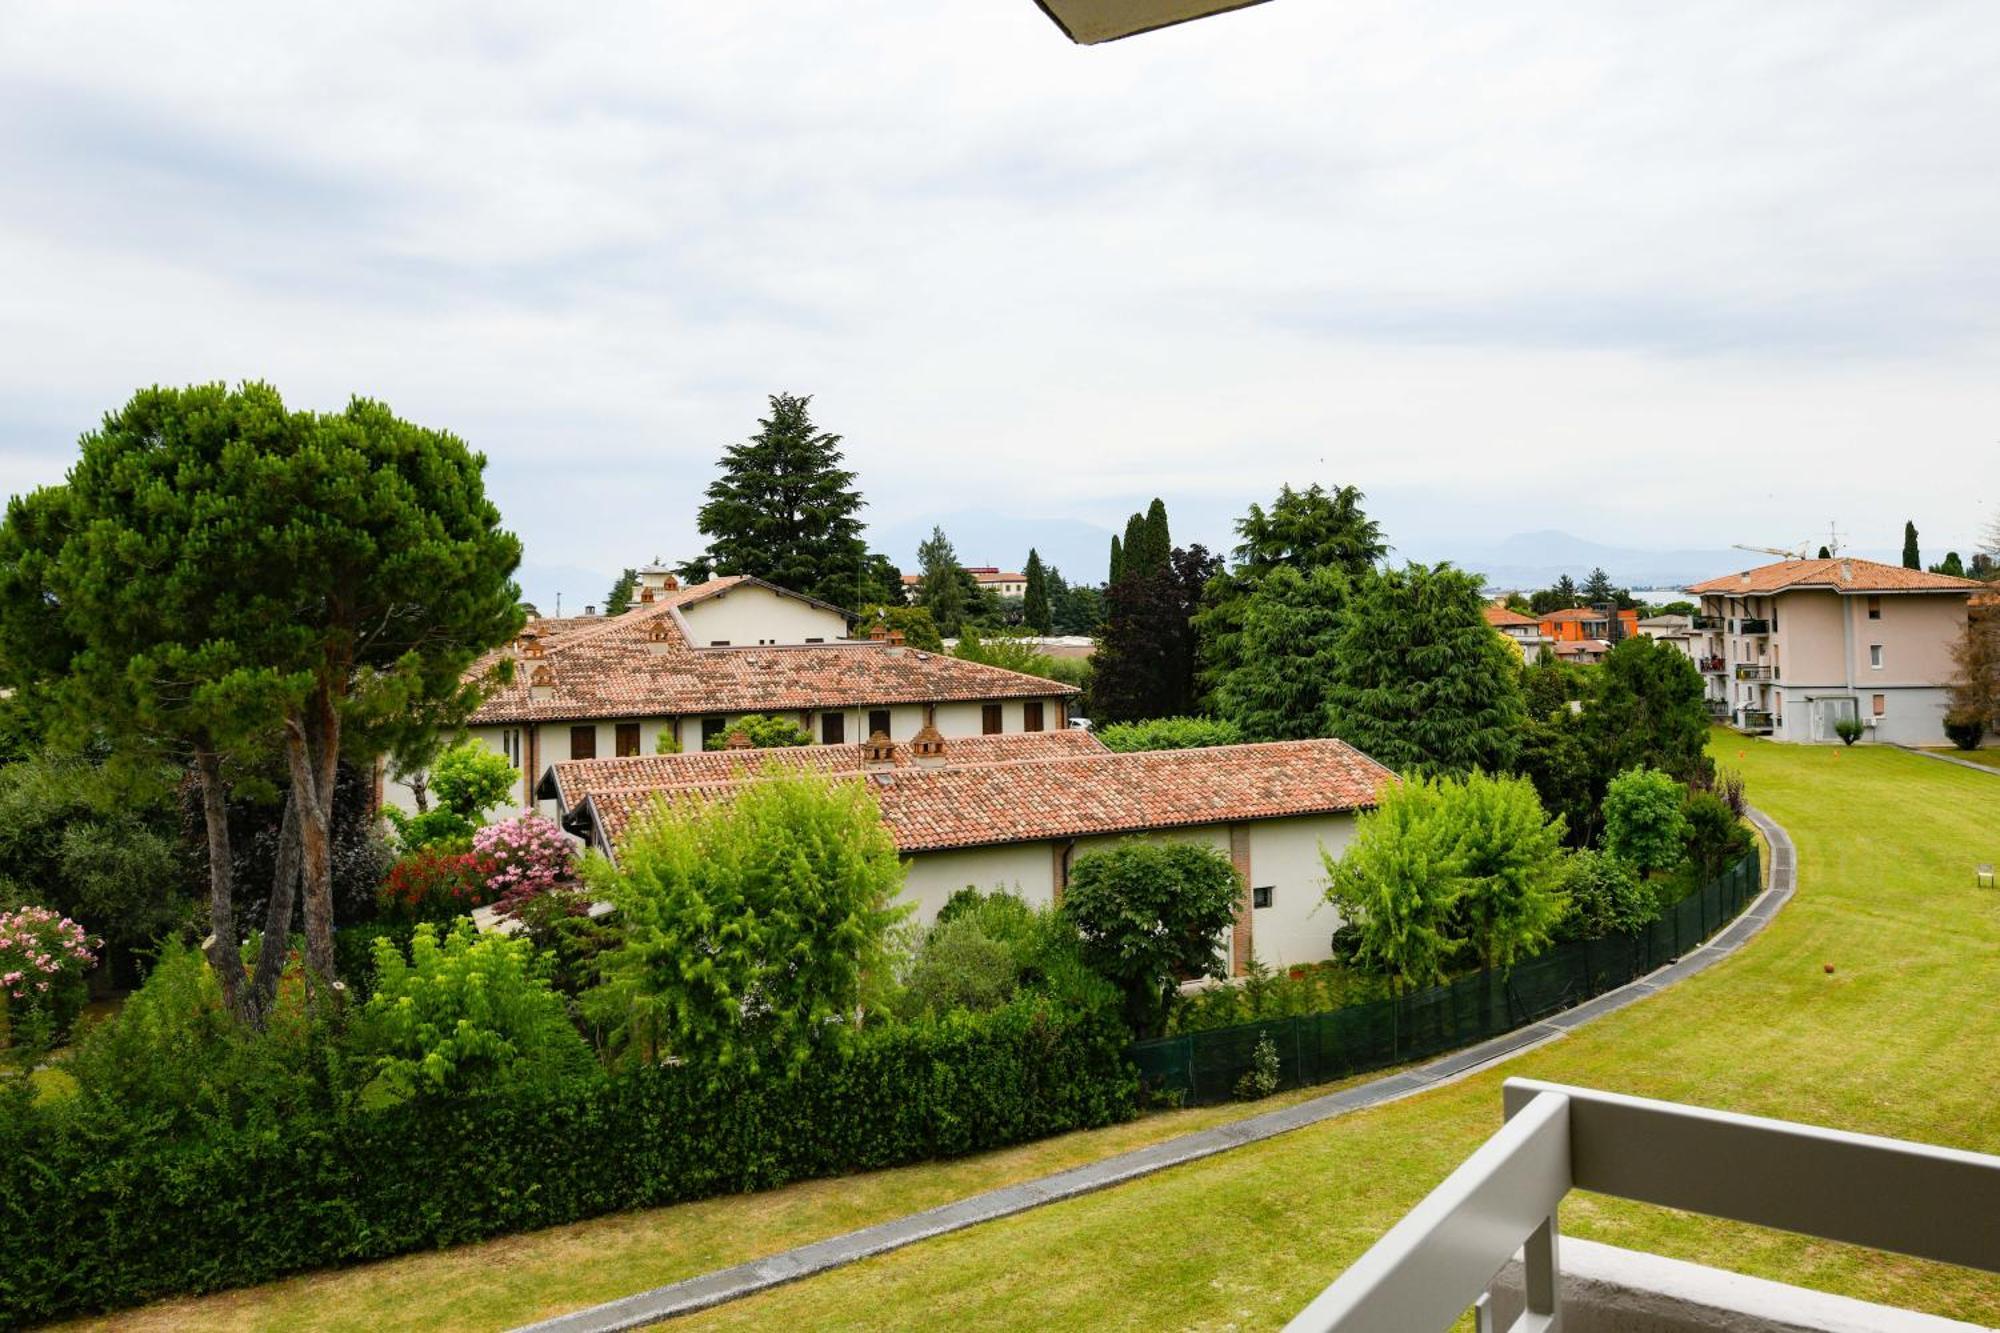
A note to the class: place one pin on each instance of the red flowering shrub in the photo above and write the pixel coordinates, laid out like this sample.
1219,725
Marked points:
435,885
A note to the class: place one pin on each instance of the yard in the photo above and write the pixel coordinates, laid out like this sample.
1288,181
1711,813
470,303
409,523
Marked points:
1897,1040
1988,755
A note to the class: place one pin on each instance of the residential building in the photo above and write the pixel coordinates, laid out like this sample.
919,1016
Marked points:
1582,624
686,662
1791,649
990,578
1524,632
1676,631
1013,812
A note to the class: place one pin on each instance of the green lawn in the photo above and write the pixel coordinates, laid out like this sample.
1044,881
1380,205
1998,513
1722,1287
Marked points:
1899,1040
1989,756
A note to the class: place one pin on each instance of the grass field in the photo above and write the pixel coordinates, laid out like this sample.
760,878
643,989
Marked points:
1899,1040
1989,755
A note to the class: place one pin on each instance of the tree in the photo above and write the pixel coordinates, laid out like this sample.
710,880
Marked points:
1010,652
1649,710
942,591
1075,608
472,778
785,510
1825,553
1597,589
1117,566
1288,630
1396,883
763,733
1035,612
1152,915
1508,857
1951,566
1169,733
1645,824
1145,660
619,600
1566,593
1912,558
1555,755
1419,680
881,582
1715,836
1605,898
1973,702
757,926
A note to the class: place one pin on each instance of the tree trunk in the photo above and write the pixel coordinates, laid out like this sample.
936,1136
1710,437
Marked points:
278,918
224,958
312,747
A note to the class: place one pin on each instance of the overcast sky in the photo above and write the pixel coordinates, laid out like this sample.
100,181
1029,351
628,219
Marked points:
1657,275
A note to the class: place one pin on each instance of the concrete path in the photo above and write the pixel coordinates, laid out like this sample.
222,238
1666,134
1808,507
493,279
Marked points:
728,1284
1943,758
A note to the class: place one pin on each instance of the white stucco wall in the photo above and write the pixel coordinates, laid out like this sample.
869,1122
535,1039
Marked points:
1024,868
752,615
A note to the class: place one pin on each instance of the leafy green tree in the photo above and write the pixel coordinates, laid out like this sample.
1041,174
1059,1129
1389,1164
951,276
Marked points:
1152,915
1912,557
756,927
1508,856
1008,651
881,582
916,626
1419,680
958,966
1563,596
1554,755
1950,566
1288,630
619,600
785,510
943,591
1169,733
1605,898
1076,608
1648,709
1715,836
1397,883
763,733
1550,685
472,778
1035,612
1645,824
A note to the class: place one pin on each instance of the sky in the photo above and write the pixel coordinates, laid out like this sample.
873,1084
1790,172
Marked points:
1659,276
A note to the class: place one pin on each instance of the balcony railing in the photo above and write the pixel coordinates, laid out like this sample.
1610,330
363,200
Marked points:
1757,719
1707,622
1713,666
1910,1198
1748,626
1752,671
1718,708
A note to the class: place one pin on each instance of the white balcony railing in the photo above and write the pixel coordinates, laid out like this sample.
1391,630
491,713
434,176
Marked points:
1912,1198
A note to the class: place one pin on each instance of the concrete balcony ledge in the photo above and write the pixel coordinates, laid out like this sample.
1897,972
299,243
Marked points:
1609,1290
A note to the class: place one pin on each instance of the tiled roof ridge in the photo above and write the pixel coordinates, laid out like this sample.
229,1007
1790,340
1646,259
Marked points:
1827,573
642,612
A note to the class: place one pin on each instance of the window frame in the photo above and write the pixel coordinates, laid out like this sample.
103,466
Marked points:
1262,896
621,733
577,734
711,727
1031,715
1875,657
833,728
885,717
992,719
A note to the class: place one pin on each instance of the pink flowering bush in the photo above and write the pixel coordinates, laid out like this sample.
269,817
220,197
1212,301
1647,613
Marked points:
526,857
43,958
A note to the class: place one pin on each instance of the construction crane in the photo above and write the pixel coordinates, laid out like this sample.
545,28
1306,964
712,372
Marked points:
1803,551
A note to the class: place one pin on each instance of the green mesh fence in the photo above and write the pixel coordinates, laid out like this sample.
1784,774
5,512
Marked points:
1318,1048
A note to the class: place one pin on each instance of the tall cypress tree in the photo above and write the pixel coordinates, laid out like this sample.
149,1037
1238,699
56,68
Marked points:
1135,545
1911,558
785,510
619,600
1117,560
1157,547
1035,597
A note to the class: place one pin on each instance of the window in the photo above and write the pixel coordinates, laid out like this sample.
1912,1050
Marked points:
718,643
878,720
989,719
1875,656
1881,704
1261,896
1031,715
583,742
510,745
815,640
1874,608
711,727
628,740
832,728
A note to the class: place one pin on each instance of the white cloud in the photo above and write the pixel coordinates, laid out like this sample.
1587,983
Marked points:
1726,272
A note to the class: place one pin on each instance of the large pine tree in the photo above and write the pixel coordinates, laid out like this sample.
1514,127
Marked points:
1420,681
1035,612
785,510
1287,635
942,591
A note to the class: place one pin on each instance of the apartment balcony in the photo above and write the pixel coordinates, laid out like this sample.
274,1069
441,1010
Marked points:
1487,1238
1706,622
1713,666
1749,626
1754,671
1719,709
1757,719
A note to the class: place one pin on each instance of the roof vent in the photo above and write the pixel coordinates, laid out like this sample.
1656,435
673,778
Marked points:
895,638
927,746
645,594
659,635
879,632
1745,576
739,740
878,751
542,684
1846,572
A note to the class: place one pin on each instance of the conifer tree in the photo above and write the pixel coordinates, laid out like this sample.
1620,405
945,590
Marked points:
619,600
785,510
1597,589
1117,560
942,591
1912,559
1287,637
1035,612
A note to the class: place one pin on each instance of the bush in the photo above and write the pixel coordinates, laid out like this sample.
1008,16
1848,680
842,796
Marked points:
465,1010
1605,898
441,828
765,733
1171,733
43,959
958,966
1849,730
1965,730
523,857
1643,820
338,1186
435,885
471,778
1263,994
1261,1079
1150,916
1715,837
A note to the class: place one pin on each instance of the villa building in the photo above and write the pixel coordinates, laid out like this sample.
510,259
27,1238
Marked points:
1524,632
1676,631
990,578
686,662
1013,812
1794,648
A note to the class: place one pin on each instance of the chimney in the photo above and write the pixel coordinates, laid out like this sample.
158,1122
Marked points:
927,747
590,610
672,583
659,635
895,638
878,753
645,594
1846,572
739,740
531,644
542,683
879,631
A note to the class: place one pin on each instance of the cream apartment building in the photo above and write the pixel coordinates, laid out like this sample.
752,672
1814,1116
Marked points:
1789,649
1014,813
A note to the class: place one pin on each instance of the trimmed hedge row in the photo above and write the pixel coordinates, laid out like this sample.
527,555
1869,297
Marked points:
98,1211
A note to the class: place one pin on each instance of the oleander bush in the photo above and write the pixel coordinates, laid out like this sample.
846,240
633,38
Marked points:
44,957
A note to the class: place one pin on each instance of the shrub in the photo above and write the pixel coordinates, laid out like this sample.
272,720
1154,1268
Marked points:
1849,730
435,885
958,966
765,733
1715,837
1964,730
1171,733
43,958
1605,898
471,778
1261,1079
1729,787
440,828
465,1010
525,857
1151,915
1643,820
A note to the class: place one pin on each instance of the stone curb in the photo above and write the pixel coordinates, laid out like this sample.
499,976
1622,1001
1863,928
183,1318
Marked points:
1987,769
746,1279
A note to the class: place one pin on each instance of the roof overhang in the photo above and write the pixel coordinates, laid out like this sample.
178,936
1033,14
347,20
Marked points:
1088,22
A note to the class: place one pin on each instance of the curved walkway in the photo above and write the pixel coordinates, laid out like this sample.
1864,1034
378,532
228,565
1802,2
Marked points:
728,1284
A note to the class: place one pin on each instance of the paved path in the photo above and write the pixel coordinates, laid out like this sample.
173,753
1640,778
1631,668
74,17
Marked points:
1943,758
728,1284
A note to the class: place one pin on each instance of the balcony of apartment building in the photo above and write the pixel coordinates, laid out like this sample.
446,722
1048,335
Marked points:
1753,625
1755,671
1487,1239
1705,622
1718,708
1712,666
1756,720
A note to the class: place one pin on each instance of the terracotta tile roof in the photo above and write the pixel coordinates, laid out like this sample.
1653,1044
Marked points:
1579,647
1843,573
1071,795
571,780
641,664
1499,616
1581,613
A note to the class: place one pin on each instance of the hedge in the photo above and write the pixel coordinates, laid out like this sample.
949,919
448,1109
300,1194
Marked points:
98,1211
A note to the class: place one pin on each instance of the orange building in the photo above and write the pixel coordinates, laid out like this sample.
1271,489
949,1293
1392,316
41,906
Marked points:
1584,622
